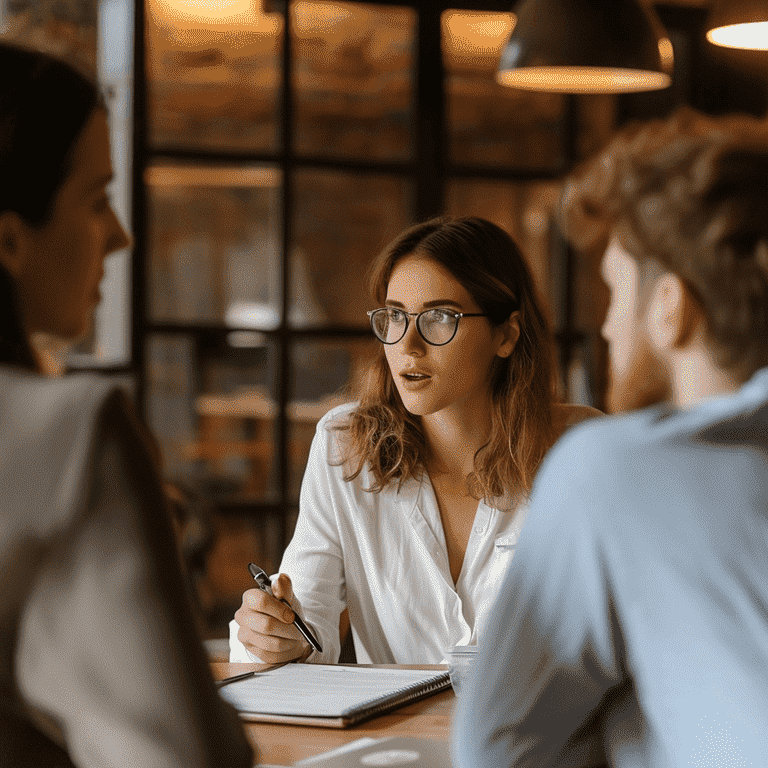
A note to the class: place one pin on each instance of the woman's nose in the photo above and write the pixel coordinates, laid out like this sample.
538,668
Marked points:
413,344
118,238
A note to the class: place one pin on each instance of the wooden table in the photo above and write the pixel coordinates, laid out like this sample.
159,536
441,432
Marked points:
429,718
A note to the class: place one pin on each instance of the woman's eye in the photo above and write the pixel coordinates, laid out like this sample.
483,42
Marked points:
395,316
441,316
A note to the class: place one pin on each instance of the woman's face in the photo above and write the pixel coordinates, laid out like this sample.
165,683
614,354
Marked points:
455,376
63,262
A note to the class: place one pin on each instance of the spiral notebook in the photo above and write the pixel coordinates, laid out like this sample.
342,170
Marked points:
334,696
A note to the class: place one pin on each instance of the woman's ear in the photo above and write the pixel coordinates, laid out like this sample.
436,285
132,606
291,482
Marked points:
510,331
13,251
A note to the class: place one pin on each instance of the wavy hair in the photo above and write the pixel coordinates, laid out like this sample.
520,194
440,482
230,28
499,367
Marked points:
386,438
688,195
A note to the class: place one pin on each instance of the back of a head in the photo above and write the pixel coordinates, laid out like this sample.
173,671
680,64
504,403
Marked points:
44,105
690,193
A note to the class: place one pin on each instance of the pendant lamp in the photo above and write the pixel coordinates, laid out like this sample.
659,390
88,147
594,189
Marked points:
586,46
739,24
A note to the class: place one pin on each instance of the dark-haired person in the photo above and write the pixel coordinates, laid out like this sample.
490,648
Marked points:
100,663
413,497
632,627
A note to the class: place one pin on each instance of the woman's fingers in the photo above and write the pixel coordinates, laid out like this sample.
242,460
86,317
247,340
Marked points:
282,588
261,602
271,649
265,627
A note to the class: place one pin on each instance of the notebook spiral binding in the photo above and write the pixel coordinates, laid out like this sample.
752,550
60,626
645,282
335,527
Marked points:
396,699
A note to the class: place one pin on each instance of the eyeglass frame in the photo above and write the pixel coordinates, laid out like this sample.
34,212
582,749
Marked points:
457,316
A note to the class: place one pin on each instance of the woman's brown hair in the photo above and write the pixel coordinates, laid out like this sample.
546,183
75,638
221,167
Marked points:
388,439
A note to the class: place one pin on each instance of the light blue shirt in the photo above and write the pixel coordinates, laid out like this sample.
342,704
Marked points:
632,626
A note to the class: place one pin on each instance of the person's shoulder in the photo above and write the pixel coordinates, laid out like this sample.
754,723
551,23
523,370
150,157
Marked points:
336,417
52,431
584,472
68,398
332,430
567,415
595,443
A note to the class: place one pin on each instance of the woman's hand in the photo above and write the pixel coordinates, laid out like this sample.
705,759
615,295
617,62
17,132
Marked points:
266,624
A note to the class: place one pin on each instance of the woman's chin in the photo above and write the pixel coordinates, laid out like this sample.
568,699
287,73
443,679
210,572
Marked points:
417,406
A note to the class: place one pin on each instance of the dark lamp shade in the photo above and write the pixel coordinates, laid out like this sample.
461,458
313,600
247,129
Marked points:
742,24
586,46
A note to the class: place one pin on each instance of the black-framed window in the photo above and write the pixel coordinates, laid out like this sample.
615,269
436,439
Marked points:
271,166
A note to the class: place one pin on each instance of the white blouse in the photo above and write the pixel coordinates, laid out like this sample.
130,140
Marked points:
384,556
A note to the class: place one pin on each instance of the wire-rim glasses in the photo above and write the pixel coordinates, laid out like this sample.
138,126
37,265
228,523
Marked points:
436,326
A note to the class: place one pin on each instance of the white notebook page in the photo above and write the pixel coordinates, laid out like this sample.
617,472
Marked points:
318,690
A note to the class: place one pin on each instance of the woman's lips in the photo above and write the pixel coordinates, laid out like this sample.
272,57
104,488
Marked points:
414,380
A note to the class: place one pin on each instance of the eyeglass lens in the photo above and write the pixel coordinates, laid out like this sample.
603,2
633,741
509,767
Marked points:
436,326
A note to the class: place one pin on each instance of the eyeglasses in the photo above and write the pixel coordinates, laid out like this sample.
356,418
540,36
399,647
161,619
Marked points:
436,326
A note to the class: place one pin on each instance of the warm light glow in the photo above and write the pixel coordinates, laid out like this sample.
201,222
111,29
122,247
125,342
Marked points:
469,32
753,36
231,14
667,54
583,79
310,18
192,176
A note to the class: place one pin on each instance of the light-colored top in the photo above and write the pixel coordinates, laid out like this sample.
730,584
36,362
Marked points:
384,556
100,664
632,629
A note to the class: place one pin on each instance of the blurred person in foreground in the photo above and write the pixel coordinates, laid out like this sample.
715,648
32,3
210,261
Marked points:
632,627
101,663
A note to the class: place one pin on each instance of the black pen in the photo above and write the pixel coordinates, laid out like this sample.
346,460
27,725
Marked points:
262,580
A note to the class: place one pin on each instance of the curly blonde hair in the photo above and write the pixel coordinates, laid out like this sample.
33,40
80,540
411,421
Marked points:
690,194
383,435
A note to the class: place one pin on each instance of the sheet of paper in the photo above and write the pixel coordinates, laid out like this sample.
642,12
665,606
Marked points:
317,689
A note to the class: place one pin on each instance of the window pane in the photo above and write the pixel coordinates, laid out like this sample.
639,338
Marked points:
326,374
491,124
213,409
213,72
525,210
213,244
342,220
170,394
67,29
353,79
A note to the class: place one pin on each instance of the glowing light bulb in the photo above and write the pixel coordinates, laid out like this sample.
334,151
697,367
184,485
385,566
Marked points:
750,36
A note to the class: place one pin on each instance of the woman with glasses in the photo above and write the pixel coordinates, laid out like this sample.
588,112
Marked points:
414,496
